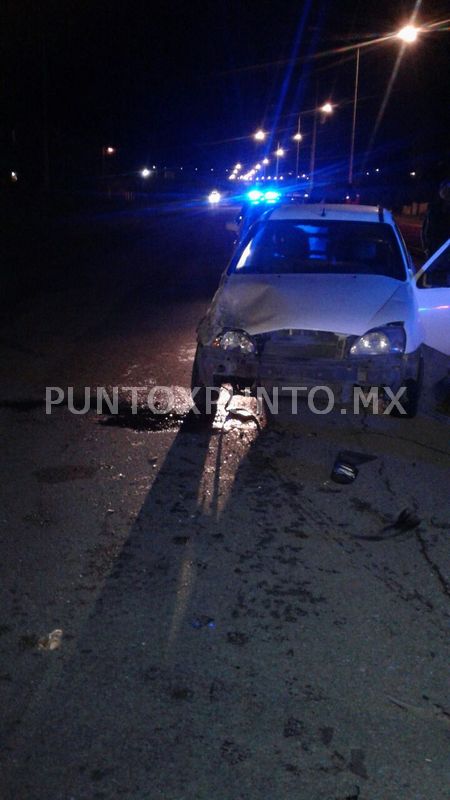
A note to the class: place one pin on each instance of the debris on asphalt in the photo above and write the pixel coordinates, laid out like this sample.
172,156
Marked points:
345,467
203,622
237,410
343,473
52,641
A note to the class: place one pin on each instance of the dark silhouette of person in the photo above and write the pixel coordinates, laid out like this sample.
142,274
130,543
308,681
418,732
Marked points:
436,225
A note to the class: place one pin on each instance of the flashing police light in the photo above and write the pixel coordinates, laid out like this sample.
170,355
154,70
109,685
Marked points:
271,196
255,195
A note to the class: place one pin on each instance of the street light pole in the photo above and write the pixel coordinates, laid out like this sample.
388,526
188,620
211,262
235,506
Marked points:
326,109
107,151
408,35
355,103
312,163
279,152
298,137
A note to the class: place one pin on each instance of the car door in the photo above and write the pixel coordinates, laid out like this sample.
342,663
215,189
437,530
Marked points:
433,298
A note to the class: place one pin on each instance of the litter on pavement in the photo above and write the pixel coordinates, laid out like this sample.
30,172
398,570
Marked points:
52,641
345,467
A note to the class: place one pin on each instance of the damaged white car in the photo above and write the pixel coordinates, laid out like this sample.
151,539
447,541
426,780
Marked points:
317,295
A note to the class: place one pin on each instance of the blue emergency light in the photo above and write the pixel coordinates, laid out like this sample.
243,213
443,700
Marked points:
255,195
270,196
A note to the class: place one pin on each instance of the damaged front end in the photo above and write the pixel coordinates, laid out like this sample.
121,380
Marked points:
287,358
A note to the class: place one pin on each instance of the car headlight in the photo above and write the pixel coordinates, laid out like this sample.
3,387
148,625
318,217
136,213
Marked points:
214,197
235,340
391,339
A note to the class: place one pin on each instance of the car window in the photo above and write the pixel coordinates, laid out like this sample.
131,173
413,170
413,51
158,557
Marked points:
438,273
323,246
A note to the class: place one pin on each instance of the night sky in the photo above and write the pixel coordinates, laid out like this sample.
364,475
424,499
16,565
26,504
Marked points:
186,83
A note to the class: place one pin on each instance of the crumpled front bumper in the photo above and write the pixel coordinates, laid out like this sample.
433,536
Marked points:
216,367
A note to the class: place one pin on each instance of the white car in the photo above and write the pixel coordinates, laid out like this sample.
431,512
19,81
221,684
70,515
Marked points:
324,295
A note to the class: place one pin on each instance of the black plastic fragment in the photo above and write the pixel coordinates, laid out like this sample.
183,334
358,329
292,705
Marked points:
343,473
345,467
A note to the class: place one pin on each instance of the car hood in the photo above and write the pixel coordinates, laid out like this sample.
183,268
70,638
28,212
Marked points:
348,304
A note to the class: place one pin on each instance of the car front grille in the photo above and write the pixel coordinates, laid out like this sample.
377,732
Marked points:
292,345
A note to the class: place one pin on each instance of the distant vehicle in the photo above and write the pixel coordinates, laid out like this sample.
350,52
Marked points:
255,204
324,295
214,197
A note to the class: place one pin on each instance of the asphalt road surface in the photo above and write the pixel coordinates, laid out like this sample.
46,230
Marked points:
194,612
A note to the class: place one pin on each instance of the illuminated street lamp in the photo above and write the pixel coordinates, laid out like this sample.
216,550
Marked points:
259,136
326,109
145,172
408,34
297,138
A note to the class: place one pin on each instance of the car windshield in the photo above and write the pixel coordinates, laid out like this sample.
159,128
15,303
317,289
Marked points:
322,246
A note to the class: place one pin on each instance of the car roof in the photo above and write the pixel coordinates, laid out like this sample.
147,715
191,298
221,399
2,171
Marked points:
332,211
